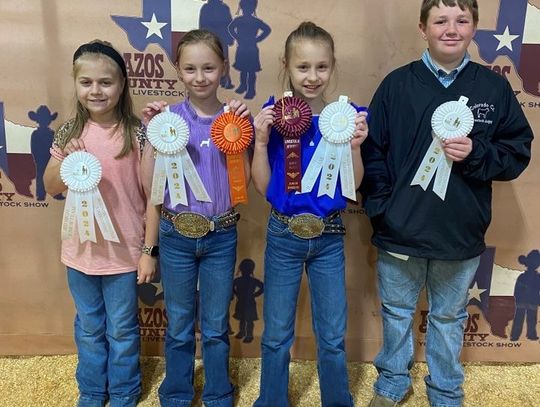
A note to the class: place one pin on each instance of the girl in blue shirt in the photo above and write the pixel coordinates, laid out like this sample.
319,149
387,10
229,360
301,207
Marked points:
308,67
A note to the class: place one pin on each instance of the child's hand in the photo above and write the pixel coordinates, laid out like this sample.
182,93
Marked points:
239,108
152,109
360,130
146,269
75,144
457,149
262,123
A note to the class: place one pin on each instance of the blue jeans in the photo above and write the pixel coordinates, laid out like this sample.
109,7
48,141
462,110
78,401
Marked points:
107,338
324,260
184,261
400,284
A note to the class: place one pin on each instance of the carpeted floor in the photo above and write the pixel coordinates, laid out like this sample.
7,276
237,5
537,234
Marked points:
49,381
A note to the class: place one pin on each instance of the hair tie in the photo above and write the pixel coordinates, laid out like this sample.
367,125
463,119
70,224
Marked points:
98,48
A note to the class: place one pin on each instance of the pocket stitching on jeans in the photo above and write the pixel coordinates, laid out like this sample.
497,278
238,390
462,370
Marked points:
283,229
168,229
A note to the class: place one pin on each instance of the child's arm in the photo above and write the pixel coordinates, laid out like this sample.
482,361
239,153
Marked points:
51,178
260,168
147,264
360,134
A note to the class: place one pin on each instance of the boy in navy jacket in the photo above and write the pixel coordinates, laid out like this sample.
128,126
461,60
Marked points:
434,238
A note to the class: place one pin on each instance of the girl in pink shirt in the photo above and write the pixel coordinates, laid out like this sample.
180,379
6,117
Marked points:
102,276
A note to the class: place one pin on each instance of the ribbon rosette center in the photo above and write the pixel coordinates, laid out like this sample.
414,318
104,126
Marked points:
81,172
168,133
339,122
232,132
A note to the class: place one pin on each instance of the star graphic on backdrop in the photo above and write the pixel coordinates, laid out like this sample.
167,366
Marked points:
505,39
159,288
154,26
475,292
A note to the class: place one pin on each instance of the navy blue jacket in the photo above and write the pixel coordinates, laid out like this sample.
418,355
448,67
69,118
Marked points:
408,220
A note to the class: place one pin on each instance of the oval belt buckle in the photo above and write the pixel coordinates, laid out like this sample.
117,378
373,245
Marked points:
191,224
306,226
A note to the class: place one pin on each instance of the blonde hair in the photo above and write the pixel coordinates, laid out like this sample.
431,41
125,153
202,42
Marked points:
128,121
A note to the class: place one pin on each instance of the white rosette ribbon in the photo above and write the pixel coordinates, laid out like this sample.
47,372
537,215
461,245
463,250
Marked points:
81,172
169,134
450,120
333,154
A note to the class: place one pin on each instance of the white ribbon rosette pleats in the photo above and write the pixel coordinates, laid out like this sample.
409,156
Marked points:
450,120
333,155
81,172
169,134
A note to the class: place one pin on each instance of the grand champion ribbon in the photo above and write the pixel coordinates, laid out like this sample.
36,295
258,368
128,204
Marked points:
450,120
333,155
169,134
232,135
292,119
81,172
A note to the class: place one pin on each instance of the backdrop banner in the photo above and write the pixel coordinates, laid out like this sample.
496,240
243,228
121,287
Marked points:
372,38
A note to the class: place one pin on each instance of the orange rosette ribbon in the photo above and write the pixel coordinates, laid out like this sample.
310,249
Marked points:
232,135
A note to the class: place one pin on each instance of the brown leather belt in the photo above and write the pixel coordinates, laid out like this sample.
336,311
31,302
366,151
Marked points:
309,226
195,225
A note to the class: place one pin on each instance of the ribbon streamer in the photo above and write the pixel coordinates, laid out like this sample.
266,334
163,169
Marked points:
451,119
232,135
333,155
81,172
169,134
